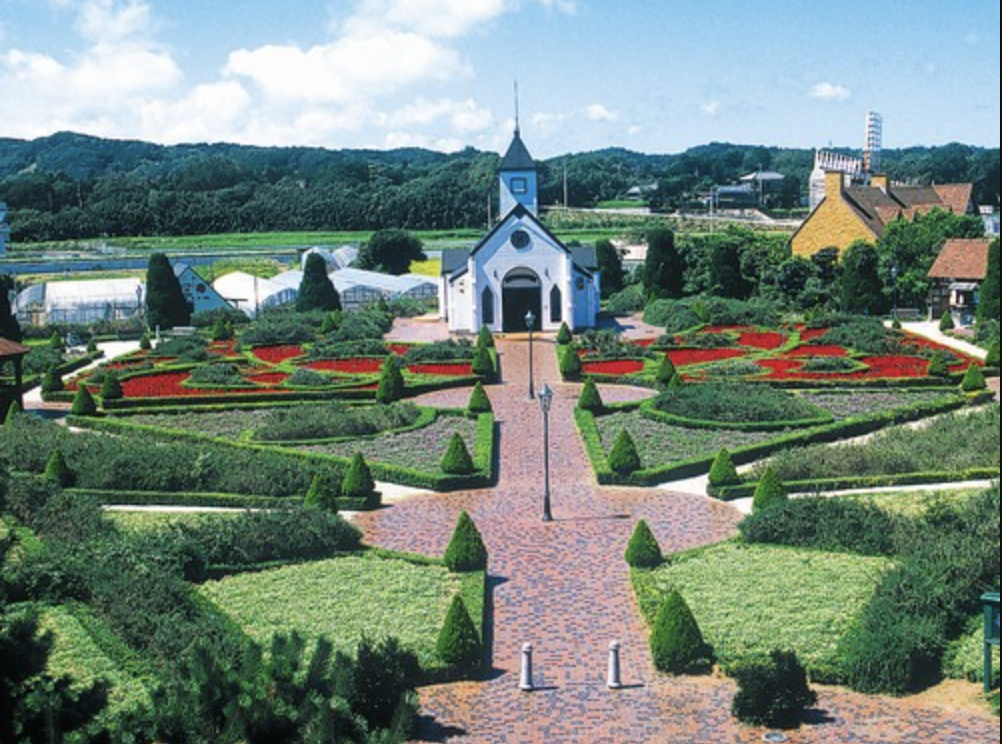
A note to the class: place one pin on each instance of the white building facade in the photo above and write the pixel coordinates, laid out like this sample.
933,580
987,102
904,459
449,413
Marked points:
520,267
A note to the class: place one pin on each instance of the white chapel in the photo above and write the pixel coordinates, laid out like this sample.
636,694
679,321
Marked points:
520,267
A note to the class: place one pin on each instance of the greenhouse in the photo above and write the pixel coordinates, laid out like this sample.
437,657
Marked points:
252,294
80,303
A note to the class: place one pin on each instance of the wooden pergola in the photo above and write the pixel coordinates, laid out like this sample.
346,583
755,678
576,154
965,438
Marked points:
12,353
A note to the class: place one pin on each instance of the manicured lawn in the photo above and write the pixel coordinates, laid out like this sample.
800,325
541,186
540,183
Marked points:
914,504
342,599
749,600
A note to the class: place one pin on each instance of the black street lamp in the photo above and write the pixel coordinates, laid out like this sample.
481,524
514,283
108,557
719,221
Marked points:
894,290
545,401
530,323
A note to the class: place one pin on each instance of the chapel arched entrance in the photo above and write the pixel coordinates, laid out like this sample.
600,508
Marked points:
522,292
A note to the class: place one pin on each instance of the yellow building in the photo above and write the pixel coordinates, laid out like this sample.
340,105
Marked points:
851,213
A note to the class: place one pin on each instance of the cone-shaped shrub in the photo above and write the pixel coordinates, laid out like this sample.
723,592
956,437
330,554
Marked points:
83,403
321,495
466,551
56,342
946,323
675,382
144,342
624,458
92,345
896,324
564,335
772,692
12,412
458,642
676,642
457,460
479,402
52,382
391,383
111,387
358,482
770,491
485,338
483,364
723,472
57,471
643,550
974,380
666,371
590,399
939,365
570,362
992,360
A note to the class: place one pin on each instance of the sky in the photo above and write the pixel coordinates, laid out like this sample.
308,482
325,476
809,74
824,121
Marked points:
658,76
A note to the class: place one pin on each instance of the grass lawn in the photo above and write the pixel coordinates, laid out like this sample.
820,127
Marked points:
749,600
343,599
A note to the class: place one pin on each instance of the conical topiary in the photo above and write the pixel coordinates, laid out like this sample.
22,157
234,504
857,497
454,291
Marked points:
466,551
457,460
974,380
946,323
723,472
12,412
564,335
57,471
590,399
485,338
624,458
570,362
992,360
458,642
111,387
666,371
896,324
92,345
144,342
358,482
52,382
483,363
322,494
643,550
56,342
675,382
83,403
677,644
770,491
939,365
479,402
391,383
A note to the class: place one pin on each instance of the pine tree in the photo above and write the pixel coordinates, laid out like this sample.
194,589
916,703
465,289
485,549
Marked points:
391,383
570,362
483,363
770,492
723,472
111,387
643,550
322,494
52,382
677,643
316,291
590,398
675,382
457,460
564,335
988,307
466,551
624,458
485,338
664,274
358,482
166,306
974,380
479,402
458,642
83,402
57,471
666,371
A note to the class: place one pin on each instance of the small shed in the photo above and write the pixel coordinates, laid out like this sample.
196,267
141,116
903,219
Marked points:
956,279
12,356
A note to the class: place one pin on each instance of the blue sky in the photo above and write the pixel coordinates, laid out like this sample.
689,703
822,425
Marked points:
652,76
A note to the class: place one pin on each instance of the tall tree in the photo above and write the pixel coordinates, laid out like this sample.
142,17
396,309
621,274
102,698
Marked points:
610,266
391,251
316,291
726,275
10,329
989,307
166,306
862,287
664,272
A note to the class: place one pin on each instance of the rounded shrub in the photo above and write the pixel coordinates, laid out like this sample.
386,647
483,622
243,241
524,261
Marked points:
939,365
992,360
770,491
111,387
483,364
485,338
83,403
643,550
391,383
624,458
564,335
358,482
458,642
974,380
570,362
457,460
946,323
666,371
773,692
590,399
723,472
52,382
479,401
466,552
677,644
57,471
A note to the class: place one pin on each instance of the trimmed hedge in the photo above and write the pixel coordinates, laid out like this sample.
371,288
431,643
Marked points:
459,643
773,692
569,363
723,472
624,458
770,492
479,401
727,399
590,398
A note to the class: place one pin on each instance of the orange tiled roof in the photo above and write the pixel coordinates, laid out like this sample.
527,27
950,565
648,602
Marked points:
10,349
962,260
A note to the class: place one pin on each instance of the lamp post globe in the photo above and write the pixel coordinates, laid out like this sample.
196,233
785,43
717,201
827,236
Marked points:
546,396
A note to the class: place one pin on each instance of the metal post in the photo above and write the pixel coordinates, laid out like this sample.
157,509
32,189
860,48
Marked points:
615,678
530,322
545,401
525,679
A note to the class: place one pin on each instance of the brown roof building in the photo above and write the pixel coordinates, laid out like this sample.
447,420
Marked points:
957,277
861,213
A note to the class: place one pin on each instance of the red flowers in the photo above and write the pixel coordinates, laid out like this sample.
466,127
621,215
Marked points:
459,369
278,354
361,366
619,368
818,351
268,379
686,357
398,349
767,341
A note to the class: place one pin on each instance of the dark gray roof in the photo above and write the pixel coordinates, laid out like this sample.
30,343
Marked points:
585,257
454,260
518,157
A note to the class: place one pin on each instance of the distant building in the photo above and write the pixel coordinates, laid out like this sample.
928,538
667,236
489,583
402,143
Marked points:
251,294
80,303
850,213
340,258
991,217
361,288
198,293
957,276
4,229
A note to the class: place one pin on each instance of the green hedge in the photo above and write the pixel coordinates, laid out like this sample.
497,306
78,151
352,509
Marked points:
649,410
846,429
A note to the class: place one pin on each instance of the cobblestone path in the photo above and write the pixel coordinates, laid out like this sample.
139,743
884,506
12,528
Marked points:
565,588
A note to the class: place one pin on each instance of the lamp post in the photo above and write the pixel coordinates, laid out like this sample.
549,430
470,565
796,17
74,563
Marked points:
545,401
530,324
894,290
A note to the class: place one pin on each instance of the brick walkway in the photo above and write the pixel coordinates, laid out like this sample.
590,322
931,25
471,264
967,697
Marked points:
565,588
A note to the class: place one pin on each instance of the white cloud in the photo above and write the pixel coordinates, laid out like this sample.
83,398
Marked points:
206,114
111,20
711,108
462,117
598,112
434,18
830,92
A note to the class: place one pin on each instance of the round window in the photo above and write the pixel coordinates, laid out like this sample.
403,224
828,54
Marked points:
521,240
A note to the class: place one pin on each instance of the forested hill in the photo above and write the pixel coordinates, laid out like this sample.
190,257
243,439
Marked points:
72,186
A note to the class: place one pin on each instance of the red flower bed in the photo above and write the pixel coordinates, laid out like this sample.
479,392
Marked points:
767,341
686,357
270,379
818,351
782,369
223,348
893,367
364,366
644,343
812,334
461,369
617,368
163,385
398,349
277,354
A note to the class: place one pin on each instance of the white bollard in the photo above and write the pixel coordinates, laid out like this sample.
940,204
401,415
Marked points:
525,680
615,673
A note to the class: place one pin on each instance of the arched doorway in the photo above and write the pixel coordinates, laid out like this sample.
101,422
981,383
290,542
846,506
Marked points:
522,293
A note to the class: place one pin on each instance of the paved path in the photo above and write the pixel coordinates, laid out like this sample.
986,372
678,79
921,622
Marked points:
931,332
565,588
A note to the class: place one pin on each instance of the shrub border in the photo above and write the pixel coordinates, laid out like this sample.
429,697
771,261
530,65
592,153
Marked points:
650,412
